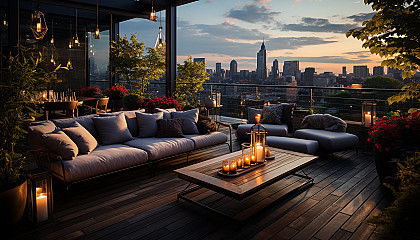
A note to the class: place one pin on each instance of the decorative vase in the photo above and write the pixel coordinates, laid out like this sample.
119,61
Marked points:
117,104
12,204
386,166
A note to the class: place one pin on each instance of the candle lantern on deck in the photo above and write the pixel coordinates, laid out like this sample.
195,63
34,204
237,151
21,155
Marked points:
40,197
368,113
258,143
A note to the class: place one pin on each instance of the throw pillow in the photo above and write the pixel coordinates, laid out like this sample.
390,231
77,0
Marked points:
61,144
169,128
35,132
189,122
206,124
287,115
112,129
272,114
83,139
148,123
166,112
251,114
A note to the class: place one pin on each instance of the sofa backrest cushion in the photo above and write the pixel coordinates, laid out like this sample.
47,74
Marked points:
112,129
83,139
130,117
148,123
324,122
169,128
287,115
189,122
85,121
166,112
272,114
35,132
252,112
61,144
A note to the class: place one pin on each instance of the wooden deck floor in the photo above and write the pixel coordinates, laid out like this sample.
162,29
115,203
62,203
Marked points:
134,205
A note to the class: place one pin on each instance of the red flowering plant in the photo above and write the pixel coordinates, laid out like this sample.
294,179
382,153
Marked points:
395,134
117,92
164,103
90,91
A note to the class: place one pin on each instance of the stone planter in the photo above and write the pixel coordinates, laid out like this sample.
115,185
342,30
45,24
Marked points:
12,204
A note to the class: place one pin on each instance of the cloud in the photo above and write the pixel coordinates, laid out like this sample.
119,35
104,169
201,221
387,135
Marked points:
253,13
228,30
309,24
361,17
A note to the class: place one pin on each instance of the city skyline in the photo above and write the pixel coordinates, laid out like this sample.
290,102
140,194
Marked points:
309,31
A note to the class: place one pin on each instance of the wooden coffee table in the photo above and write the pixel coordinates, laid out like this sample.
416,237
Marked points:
204,174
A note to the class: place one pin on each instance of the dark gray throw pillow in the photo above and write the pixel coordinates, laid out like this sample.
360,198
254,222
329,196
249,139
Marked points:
82,137
148,123
169,128
272,114
252,112
189,122
112,129
61,144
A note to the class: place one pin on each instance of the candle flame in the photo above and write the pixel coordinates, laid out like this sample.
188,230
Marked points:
38,27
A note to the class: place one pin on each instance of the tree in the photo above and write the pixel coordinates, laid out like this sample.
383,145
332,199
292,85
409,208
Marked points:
393,33
133,63
382,82
191,76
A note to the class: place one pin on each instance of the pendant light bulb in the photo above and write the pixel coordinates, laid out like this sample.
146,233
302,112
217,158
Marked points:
52,40
69,64
153,14
71,43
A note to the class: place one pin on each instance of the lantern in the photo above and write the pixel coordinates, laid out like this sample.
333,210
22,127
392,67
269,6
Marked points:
40,197
216,97
258,133
368,114
38,25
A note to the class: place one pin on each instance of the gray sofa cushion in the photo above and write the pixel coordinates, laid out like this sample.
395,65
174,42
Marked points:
189,122
104,159
166,112
208,139
147,123
331,141
130,117
158,148
272,130
293,144
112,129
83,139
61,144
85,121
35,132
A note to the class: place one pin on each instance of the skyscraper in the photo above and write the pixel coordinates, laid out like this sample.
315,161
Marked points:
361,72
275,69
308,76
344,71
290,68
233,67
218,67
378,71
262,63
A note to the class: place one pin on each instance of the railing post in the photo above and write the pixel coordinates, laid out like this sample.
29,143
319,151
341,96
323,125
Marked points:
311,103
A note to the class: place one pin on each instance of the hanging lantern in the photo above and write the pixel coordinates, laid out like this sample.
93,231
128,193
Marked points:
160,40
96,35
71,43
153,15
368,113
69,65
40,197
38,26
258,133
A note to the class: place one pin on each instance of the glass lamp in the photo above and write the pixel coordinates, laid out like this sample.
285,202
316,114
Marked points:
258,143
38,25
40,197
368,113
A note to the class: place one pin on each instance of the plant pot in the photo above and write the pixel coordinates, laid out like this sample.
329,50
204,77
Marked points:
116,104
386,166
12,204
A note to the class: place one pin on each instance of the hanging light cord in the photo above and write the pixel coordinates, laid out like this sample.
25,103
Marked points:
97,9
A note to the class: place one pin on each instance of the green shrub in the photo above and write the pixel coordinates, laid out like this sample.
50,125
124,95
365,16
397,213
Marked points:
131,101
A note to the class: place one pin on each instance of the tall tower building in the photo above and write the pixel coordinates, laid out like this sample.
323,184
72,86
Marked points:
262,63
233,67
361,72
275,69
218,67
308,76
290,68
344,73
378,71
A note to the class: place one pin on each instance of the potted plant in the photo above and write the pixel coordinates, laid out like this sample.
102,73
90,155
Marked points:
116,94
92,91
21,79
164,103
395,138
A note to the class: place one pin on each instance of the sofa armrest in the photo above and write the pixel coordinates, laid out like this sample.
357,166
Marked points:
230,131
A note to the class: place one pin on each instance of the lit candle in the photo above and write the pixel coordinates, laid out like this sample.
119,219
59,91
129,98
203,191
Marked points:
247,161
257,118
239,162
38,191
368,119
41,207
232,166
225,165
252,159
260,153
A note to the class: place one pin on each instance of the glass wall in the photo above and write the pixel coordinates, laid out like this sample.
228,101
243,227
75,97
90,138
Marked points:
98,57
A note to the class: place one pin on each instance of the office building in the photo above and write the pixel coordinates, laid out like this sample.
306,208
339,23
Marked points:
308,76
218,67
275,69
361,72
262,63
378,71
233,67
344,72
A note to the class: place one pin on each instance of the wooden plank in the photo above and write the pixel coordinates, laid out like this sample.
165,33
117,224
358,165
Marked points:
354,204
341,235
363,232
332,226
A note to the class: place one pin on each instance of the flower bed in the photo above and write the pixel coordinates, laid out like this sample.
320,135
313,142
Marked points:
164,103
90,91
117,92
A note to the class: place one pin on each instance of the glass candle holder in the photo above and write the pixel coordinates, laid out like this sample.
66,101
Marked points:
232,166
267,151
225,165
246,154
239,162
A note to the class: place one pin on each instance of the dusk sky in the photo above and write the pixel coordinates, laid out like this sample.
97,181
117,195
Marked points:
311,31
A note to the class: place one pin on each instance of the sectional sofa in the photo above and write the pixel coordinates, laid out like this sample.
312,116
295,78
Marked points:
102,154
